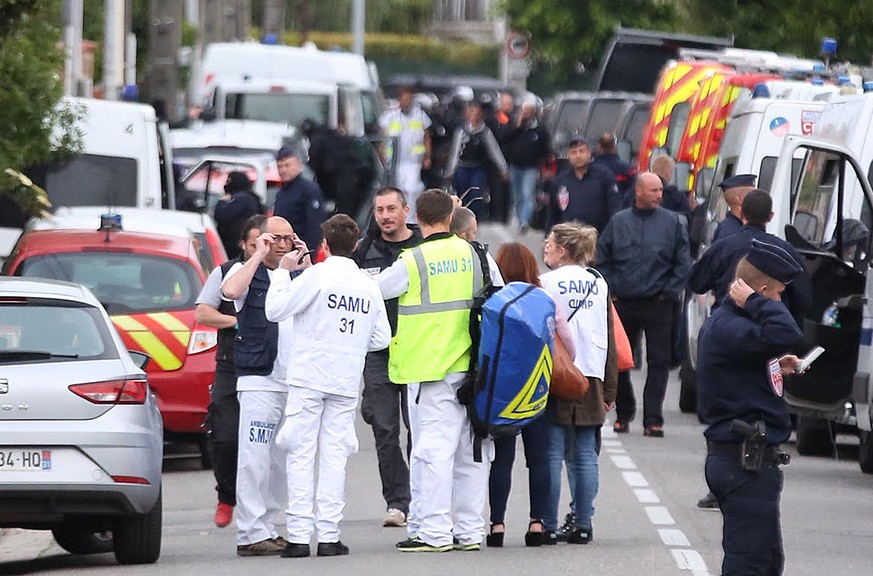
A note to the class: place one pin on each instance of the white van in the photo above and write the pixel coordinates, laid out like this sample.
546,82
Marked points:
229,65
751,144
826,212
125,159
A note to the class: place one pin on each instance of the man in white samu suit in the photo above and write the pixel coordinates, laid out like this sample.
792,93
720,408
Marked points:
339,315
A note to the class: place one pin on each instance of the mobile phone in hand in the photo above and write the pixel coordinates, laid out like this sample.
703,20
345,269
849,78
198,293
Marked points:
807,360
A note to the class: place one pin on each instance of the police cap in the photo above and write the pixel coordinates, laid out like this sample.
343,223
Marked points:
285,152
738,180
774,261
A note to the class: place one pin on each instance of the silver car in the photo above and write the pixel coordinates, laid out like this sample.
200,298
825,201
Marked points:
81,439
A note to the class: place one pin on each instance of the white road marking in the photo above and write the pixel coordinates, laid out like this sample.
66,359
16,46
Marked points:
673,537
659,515
688,559
623,462
616,450
635,479
611,443
646,496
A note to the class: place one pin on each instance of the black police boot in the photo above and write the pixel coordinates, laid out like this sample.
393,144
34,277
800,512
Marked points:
332,549
563,533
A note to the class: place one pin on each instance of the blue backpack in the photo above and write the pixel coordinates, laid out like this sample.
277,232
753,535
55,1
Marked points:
513,333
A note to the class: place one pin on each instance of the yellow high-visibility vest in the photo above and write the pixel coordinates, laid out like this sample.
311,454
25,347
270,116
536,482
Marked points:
433,321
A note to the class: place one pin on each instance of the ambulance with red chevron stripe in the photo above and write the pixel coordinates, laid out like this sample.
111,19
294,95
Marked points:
148,283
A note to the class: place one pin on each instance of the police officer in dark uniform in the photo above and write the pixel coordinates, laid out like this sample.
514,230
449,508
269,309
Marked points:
584,192
299,200
715,269
743,355
735,189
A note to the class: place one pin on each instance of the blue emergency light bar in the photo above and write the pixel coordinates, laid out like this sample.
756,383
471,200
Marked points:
828,47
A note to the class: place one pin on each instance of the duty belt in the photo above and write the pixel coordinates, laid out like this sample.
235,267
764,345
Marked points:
773,454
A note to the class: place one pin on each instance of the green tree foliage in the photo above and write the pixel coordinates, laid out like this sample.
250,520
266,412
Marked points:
31,86
572,32
795,28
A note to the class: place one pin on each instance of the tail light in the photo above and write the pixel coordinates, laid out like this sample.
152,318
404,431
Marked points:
132,391
202,340
130,480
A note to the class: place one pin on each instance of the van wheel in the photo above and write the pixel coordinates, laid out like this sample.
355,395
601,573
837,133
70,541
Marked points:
865,451
687,387
814,437
138,538
74,540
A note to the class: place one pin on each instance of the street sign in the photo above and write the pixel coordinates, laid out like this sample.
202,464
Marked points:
517,45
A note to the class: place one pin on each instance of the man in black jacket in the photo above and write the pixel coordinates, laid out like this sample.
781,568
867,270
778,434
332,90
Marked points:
385,403
299,200
643,253
231,212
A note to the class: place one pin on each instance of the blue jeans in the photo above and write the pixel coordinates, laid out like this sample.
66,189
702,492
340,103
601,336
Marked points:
583,471
523,185
467,177
535,437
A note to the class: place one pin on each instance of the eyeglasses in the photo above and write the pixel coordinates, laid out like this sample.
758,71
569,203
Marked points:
283,239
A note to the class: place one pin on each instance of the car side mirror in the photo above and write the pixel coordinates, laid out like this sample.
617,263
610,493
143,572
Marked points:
208,114
141,359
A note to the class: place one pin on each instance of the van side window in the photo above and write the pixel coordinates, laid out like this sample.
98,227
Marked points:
815,193
678,121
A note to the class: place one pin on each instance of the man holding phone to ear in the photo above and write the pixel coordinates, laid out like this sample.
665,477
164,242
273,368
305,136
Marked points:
743,355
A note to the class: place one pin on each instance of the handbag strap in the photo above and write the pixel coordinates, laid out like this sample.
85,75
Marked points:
597,276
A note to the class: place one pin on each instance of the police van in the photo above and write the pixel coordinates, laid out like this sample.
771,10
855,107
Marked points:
827,214
751,144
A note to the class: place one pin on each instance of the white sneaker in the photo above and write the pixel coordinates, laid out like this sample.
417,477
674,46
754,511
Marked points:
394,517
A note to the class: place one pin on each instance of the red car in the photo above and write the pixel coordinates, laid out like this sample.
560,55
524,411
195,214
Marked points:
148,284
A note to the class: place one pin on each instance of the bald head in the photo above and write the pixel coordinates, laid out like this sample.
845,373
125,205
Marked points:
464,223
282,231
734,198
649,191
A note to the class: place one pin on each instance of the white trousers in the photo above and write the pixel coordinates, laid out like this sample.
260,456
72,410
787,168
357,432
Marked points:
323,423
408,179
449,480
260,472
412,522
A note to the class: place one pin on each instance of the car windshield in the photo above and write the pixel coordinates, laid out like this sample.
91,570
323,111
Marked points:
280,107
124,283
40,329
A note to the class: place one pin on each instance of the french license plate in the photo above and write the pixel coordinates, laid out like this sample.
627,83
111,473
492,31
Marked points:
25,460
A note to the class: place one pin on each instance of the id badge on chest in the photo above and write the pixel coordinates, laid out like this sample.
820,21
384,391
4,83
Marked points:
775,372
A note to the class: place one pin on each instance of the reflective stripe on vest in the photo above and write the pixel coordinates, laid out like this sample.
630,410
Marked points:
433,326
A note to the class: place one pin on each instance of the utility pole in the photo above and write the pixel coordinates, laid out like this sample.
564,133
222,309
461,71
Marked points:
113,49
303,15
273,20
73,10
358,10
165,39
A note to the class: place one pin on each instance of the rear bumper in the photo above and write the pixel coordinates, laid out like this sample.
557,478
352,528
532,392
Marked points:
24,507
183,394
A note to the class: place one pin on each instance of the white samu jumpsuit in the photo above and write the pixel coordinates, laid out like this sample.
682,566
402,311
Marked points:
339,316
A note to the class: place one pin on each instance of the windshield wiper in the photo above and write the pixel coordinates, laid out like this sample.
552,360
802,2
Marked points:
32,355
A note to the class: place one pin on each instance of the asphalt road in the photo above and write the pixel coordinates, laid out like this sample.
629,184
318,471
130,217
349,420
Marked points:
646,520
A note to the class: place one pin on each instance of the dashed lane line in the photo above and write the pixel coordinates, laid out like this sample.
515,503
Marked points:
675,540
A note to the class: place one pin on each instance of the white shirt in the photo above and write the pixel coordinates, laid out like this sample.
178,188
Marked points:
574,287
339,316
275,382
407,138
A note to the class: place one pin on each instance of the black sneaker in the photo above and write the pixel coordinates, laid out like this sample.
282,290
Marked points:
708,502
332,549
295,550
581,536
563,533
418,545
